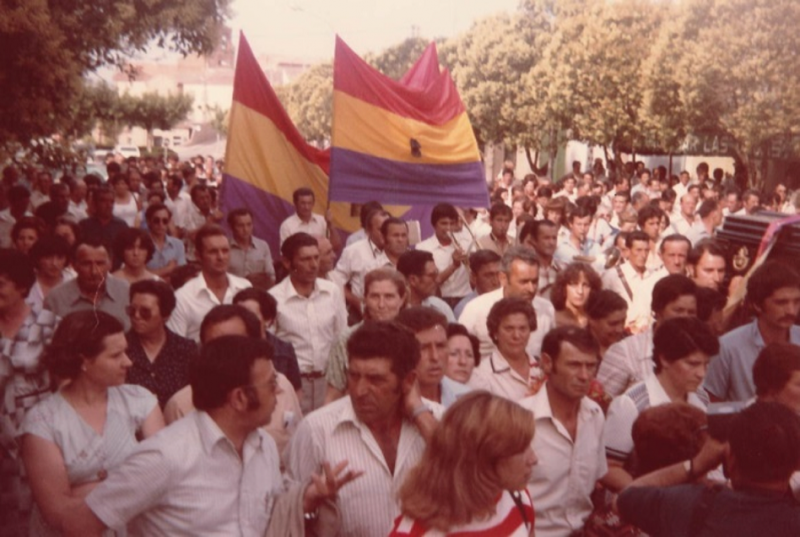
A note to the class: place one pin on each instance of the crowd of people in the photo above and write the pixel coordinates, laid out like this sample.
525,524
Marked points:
551,365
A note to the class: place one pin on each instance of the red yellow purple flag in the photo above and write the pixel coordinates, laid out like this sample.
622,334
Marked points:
267,159
407,141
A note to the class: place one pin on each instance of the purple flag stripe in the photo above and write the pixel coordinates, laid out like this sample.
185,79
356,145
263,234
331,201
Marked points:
361,178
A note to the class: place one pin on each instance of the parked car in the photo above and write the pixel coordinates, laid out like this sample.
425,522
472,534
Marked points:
128,151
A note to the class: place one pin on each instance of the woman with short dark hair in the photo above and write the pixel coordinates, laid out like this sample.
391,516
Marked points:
50,256
463,353
510,371
71,440
682,348
135,249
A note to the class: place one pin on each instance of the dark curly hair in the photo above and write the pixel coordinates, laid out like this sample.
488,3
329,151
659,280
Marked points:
571,275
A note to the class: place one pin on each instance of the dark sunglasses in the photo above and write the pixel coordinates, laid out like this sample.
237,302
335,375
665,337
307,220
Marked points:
144,313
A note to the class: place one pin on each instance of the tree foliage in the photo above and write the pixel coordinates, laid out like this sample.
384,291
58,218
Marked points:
488,64
309,102
396,60
154,111
48,47
741,77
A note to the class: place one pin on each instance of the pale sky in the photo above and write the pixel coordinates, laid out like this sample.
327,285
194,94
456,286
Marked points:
306,28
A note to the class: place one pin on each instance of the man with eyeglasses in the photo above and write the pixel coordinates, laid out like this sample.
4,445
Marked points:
160,357
170,252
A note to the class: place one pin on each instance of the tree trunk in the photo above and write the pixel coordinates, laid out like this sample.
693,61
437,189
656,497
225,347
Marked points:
670,167
605,155
531,163
761,182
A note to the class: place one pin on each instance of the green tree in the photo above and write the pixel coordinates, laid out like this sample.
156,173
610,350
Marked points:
220,119
154,111
489,64
396,60
740,77
48,46
588,85
309,102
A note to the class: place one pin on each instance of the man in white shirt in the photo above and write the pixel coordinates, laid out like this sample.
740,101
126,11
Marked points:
41,191
619,203
365,211
710,217
77,208
304,220
177,200
215,472
568,190
449,256
359,258
630,360
519,277
751,200
380,428
684,221
212,287
632,280
484,277
238,320
420,272
569,429
311,315
542,237
733,197
682,187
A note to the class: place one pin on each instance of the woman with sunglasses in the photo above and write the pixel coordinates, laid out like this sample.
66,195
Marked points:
472,477
169,253
74,438
160,357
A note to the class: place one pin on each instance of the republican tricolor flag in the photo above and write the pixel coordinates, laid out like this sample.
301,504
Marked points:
266,158
402,142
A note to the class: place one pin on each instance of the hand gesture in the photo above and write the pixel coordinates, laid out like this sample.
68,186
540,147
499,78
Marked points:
326,486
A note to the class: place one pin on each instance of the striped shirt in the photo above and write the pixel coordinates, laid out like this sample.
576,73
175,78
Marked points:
626,408
311,324
334,433
627,362
496,376
511,519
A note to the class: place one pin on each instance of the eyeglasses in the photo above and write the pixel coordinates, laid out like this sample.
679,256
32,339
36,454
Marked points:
144,313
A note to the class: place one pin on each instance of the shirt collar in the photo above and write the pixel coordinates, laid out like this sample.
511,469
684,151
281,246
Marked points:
756,335
79,295
292,292
540,406
211,434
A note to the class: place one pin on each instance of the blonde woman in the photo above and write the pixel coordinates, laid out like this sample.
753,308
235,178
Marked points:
473,474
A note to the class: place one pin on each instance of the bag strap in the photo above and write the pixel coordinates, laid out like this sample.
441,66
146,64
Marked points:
517,497
625,282
700,514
